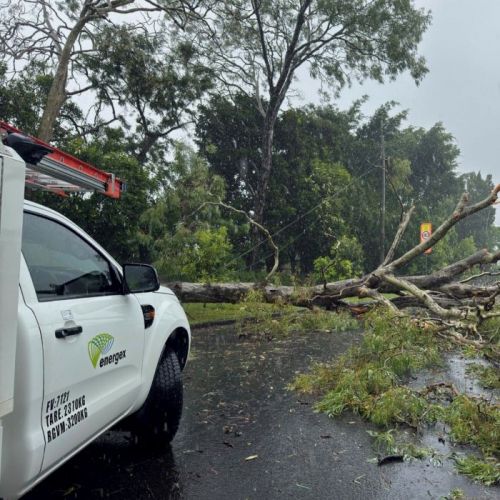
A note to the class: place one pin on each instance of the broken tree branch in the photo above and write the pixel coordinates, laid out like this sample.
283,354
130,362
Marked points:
454,305
480,275
399,235
377,296
420,294
260,227
461,212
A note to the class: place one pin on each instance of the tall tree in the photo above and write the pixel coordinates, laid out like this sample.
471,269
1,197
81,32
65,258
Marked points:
310,187
364,164
310,144
60,33
258,46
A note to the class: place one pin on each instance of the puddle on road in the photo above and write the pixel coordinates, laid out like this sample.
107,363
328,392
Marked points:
455,372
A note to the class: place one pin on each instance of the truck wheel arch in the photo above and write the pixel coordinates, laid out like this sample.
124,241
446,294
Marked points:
178,341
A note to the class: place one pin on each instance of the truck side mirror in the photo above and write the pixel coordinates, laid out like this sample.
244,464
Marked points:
140,278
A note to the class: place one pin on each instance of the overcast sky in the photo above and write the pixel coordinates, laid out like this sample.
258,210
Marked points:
462,88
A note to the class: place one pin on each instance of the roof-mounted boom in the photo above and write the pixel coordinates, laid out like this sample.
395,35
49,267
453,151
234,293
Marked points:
51,169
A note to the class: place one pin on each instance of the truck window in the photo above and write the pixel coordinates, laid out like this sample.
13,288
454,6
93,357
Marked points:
62,264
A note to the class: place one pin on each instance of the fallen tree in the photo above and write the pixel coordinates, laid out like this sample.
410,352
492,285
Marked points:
457,305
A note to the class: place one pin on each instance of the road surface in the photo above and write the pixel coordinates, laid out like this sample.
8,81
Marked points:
245,436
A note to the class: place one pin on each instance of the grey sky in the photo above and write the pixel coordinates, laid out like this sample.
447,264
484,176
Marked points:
462,88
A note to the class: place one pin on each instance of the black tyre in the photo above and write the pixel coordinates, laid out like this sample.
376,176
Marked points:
161,413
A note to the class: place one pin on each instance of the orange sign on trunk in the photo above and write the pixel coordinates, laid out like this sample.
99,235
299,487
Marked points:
425,234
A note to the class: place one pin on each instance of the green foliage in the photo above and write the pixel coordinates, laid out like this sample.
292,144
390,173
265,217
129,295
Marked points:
320,320
490,332
352,41
345,261
365,379
350,393
157,81
450,249
474,421
321,378
400,344
23,97
281,319
385,443
325,187
486,472
188,238
324,191
199,313
266,321
454,494
398,405
368,380
488,376
229,134
480,225
201,255
377,40
113,223
490,329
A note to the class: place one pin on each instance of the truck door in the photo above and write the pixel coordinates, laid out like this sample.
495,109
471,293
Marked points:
92,335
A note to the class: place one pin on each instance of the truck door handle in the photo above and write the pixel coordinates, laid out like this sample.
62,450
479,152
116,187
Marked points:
62,333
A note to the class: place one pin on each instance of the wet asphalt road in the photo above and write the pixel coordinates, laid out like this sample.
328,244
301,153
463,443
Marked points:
243,435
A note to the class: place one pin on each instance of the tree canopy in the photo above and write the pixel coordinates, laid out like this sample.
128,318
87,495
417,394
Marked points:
257,47
222,73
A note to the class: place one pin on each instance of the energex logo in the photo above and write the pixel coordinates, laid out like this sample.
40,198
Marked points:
98,348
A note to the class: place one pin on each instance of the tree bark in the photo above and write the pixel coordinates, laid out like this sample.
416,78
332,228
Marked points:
319,295
57,92
264,176
277,93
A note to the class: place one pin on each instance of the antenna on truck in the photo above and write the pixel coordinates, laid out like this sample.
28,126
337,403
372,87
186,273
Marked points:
51,169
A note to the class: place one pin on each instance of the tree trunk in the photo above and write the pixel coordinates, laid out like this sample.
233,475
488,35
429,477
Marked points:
266,165
264,174
57,92
323,296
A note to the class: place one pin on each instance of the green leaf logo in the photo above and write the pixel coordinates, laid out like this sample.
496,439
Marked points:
100,344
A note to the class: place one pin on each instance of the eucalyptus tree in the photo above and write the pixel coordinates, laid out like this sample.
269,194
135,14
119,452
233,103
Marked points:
257,47
59,33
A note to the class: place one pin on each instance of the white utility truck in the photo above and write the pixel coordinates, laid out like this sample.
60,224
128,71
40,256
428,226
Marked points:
84,341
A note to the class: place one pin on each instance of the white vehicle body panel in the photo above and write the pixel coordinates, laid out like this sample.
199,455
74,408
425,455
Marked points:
52,373
80,399
12,170
11,198
23,440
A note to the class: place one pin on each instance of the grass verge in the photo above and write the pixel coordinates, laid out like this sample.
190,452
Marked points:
254,316
486,472
207,313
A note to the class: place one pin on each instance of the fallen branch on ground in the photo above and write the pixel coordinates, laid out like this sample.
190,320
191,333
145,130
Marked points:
458,304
